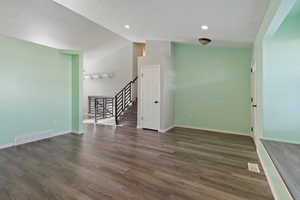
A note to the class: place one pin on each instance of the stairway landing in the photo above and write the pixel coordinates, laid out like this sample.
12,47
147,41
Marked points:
129,118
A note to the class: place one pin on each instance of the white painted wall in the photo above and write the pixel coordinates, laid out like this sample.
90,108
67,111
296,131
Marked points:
119,62
161,53
168,89
138,51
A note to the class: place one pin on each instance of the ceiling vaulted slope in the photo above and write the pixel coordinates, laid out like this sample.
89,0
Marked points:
230,22
48,23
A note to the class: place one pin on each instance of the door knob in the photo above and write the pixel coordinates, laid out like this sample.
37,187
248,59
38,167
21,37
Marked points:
156,102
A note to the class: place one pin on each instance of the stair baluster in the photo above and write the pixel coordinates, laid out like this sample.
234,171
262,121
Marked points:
123,99
105,107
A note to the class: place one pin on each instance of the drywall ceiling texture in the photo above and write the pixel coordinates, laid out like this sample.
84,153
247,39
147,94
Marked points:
231,22
48,23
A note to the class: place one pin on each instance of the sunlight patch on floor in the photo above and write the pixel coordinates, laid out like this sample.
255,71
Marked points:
109,121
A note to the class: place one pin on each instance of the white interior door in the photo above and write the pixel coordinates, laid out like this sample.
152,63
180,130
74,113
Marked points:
253,98
150,85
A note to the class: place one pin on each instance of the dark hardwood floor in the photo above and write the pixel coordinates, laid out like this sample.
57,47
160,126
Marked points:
125,163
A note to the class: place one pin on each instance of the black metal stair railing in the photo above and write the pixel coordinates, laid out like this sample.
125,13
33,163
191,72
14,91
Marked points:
101,107
124,98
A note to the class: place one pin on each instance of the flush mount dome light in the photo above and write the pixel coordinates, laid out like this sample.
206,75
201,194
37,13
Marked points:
204,41
127,26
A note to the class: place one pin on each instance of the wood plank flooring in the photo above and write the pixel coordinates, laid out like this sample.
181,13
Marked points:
286,158
125,163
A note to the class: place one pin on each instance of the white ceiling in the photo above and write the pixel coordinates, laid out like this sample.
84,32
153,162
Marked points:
48,23
231,22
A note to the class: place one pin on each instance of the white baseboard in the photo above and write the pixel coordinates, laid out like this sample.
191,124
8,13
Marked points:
166,130
38,136
279,140
77,133
33,138
4,146
274,179
214,130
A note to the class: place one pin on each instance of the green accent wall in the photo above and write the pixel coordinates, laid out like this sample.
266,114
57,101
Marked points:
213,87
76,93
275,15
268,24
281,83
37,87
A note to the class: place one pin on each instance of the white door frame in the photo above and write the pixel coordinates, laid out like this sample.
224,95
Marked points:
141,96
254,98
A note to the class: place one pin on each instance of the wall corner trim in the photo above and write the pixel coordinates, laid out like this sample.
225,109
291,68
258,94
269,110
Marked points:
280,140
273,176
214,130
166,130
5,146
30,140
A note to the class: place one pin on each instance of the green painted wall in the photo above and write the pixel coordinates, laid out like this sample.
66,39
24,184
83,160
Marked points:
75,93
35,89
268,24
213,87
281,83
275,15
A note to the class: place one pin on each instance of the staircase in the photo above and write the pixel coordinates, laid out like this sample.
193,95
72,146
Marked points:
102,107
129,118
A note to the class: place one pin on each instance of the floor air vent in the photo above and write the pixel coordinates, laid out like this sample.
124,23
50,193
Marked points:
253,167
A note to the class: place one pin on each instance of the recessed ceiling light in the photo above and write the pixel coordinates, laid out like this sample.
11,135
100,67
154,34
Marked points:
204,27
127,26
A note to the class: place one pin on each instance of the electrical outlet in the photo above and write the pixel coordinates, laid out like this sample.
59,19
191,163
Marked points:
253,167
